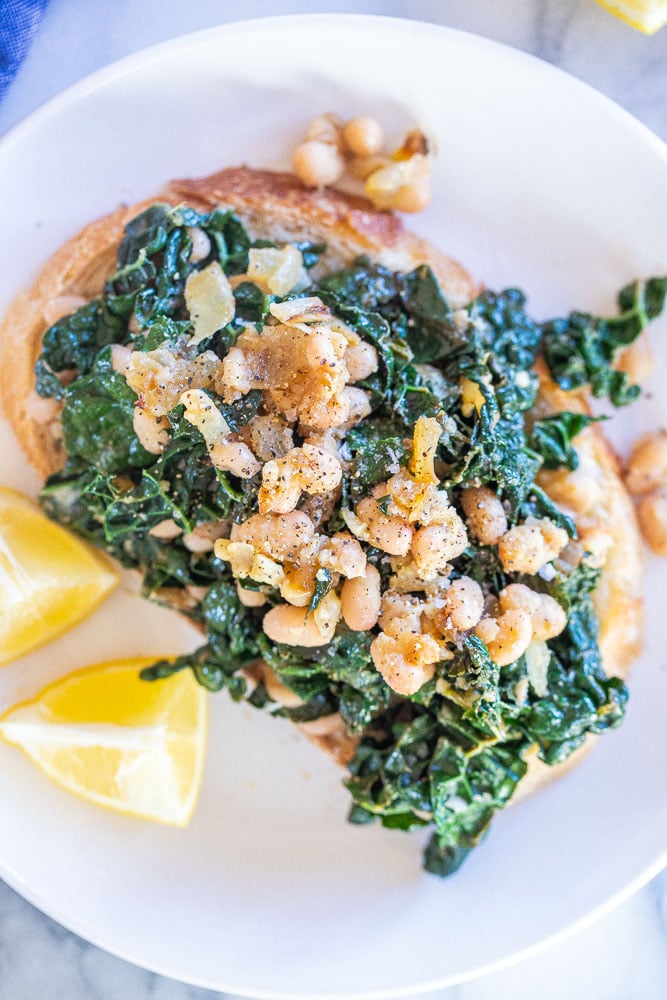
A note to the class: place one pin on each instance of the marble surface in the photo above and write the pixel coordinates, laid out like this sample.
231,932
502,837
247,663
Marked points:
621,956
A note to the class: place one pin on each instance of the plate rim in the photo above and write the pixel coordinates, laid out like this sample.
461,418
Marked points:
479,972
118,67
106,75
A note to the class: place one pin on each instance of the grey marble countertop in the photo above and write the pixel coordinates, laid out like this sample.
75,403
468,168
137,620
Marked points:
622,956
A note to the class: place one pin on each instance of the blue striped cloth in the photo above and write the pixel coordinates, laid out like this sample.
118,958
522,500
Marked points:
19,21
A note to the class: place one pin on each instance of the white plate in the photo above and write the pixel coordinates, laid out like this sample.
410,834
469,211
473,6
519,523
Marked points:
540,182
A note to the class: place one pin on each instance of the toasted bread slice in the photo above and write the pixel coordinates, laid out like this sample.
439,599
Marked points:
276,206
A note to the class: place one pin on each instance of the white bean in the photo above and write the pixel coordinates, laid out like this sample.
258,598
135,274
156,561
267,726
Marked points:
652,513
647,465
463,603
360,600
317,164
406,663
289,625
527,547
201,245
637,360
235,457
391,534
250,598
278,691
363,136
166,530
512,638
485,514
361,360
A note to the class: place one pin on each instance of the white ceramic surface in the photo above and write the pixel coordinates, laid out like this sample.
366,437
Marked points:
541,182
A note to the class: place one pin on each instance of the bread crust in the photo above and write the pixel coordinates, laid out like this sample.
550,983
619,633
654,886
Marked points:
277,206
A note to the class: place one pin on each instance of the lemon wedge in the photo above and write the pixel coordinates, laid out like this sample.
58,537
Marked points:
49,580
645,15
133,746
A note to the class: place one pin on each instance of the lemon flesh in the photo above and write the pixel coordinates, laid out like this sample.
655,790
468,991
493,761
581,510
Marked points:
645,15
49,580
131,745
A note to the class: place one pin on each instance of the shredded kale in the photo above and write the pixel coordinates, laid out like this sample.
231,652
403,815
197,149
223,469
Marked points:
238,414
375,453
451,755
251,302
571,588
311,252
580,350
232,644
552,439
323,584
97,419
340,674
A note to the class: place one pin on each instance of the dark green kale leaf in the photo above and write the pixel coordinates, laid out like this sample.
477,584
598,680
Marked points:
414,774
538,504
364,284
482,564
146,234
116,513
639,302
552,438
231,626
466,790
502,327
472,669
232,644
493,449
412,304
252,304
376,453
421,392
581,698
230,239
431,332
97,420
46,382
444,861
162,330
238,414
580,350
323,584
360,689
154,261
389,772
337,677
118,518
570,589
311,252
298,669
73,344
208,671
495,351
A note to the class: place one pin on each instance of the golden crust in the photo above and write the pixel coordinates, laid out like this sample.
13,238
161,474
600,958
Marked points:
597,500
278,206
79,267
599,503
